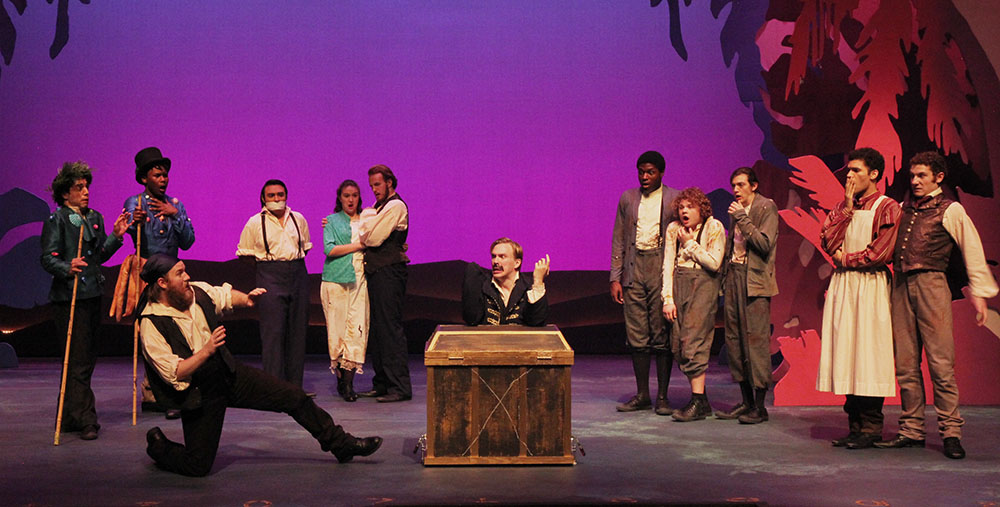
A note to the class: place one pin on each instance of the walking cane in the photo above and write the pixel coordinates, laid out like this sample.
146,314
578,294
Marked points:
135,324
69,330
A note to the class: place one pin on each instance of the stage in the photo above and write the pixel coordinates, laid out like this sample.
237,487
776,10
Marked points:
643,458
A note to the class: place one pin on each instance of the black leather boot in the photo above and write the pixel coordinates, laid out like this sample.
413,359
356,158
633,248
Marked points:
696,409
759,412
744,407
641,401
664,362
347,378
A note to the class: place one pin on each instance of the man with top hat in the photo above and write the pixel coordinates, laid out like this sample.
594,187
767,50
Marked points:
166,224
191,369
61,238
277,238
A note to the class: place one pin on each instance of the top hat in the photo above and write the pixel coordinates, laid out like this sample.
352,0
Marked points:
146,159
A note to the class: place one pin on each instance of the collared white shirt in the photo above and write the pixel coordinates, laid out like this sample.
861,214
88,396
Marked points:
647,225
282,237
377,225
192,324
534,294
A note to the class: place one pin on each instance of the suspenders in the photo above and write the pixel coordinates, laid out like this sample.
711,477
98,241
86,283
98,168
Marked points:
263,230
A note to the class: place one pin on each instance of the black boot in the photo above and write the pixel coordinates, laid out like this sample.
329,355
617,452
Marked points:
641,401
745,406
347,378
664,362
696,409
759,412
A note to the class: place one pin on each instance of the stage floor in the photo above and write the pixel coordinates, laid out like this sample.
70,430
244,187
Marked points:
266,459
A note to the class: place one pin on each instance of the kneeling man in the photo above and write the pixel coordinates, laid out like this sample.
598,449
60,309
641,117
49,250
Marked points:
508,296
190,368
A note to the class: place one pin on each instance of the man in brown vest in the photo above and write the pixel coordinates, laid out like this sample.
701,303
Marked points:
931,227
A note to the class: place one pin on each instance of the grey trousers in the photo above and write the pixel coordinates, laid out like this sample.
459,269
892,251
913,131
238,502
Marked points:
748,330
696,294
921,319
645,325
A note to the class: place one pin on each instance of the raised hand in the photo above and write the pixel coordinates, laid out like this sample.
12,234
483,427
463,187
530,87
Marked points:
121,224
685,234
849,193
253,295
218,339
541,270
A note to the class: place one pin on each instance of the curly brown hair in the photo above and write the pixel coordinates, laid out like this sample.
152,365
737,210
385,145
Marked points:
696,197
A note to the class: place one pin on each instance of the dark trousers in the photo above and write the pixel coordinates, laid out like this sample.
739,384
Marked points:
79,407
386,341
696,294
864,414
645,326
922,322
246,388
284,317
748,330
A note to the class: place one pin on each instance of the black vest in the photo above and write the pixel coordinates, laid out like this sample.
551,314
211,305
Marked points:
222,362
391,251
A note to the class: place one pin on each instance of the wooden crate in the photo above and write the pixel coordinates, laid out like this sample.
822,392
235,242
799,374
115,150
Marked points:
498,395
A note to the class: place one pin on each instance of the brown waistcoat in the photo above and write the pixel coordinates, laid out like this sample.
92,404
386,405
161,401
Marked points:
923,244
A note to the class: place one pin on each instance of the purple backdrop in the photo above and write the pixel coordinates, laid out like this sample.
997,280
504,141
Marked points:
514,118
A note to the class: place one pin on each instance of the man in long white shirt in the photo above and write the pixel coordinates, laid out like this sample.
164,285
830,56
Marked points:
383,232
277,238
931,226
190,369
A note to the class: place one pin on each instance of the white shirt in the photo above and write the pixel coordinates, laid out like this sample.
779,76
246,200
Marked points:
647,224
963,231
704,255
376,226
534,294
282,237
192,324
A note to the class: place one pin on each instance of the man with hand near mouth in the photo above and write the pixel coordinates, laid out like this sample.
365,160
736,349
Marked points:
166,226
749,284
277,239
508,296
693,251
856,355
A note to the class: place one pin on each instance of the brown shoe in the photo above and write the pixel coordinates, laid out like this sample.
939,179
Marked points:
635,403
696,409
735,412
662,407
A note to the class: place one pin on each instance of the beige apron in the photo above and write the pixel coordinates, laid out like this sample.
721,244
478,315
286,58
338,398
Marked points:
856,355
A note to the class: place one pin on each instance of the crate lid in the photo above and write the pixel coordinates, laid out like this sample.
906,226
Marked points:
497,345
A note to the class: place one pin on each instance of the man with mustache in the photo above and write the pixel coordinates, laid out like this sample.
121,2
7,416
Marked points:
191,369
931,227
636,268
505,295
277,239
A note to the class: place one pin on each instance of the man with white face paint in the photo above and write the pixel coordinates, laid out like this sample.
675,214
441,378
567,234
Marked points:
277,238
504,295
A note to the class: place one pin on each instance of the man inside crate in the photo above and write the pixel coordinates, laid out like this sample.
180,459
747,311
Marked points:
504,295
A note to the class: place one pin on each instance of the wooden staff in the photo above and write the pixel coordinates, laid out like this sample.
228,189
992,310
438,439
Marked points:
135,326
69,336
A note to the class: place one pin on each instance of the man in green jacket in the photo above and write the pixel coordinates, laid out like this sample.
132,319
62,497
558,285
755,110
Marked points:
60,239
